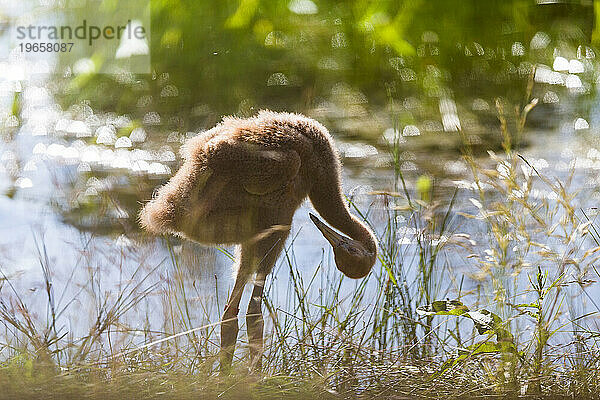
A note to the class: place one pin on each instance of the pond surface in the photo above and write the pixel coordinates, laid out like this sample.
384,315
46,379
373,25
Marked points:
77,160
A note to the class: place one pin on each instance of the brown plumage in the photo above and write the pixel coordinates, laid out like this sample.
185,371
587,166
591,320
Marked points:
241,183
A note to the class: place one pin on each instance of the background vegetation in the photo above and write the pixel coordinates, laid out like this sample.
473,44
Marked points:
486,280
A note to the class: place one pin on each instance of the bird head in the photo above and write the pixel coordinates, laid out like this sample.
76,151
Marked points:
352,258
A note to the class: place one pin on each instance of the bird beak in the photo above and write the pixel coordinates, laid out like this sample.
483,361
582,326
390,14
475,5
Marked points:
332,236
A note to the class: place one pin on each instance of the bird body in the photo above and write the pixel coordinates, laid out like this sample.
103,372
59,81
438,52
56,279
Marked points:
247,175
241,183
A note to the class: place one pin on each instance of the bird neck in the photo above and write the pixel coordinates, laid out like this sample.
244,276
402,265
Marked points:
330,204
361,233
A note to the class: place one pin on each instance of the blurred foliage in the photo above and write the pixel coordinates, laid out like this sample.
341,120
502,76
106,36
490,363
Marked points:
221,57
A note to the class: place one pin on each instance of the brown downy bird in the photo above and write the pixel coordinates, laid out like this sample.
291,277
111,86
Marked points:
241,183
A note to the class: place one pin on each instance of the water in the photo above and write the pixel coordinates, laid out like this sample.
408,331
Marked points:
77,160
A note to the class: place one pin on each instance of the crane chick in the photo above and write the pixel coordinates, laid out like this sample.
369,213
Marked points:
241,183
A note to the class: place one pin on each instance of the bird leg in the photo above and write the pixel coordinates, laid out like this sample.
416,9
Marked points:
229,321
255,326
269,247
256,256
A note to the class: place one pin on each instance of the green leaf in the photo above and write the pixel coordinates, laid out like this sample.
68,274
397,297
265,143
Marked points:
443,307
243,15
531,305
486,322
391,276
